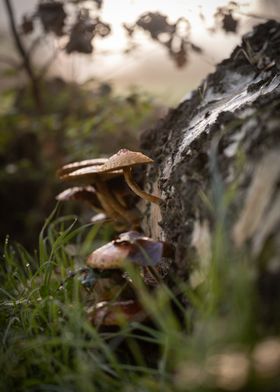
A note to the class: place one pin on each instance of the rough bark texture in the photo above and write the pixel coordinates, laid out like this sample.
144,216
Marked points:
221,143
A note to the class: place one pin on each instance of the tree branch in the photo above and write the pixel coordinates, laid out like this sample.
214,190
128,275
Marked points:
23,54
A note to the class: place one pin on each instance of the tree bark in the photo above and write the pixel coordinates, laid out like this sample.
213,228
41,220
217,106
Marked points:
217,159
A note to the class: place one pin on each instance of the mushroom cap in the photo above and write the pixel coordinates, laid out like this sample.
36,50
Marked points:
89,174
86,194
125,158
131,246
100,218
115,314
76,193
130,237
70,167
109,256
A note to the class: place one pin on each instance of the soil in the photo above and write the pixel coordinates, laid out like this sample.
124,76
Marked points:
212,143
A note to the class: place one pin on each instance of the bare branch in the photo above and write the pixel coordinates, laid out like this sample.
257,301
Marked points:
23,54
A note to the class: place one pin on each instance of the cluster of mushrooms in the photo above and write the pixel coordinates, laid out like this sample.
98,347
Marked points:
107,184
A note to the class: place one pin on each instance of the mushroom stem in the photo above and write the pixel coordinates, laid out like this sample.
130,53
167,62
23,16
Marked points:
102,196
136,189
120,199
115,205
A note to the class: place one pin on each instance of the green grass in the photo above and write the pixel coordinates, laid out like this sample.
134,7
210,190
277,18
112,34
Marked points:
47,343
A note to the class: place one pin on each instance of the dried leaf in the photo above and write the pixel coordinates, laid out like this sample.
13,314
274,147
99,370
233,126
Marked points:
84,30
229,24
155,23
224,17
52,16
27,25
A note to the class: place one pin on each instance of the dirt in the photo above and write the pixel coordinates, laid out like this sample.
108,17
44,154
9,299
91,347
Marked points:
214,140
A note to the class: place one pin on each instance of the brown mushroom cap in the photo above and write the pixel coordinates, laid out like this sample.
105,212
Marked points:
131,246
89,174
113,203
130,237
109,256
115,314
86,194
70,167
125,158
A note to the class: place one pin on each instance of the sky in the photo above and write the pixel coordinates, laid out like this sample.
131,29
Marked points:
148,68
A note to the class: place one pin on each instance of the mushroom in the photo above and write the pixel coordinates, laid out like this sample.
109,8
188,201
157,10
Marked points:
129,246
110,256
115,314
89,174
104,272
111,204
105,264
86,194
70,167
125,159
99,218
132,246
136,248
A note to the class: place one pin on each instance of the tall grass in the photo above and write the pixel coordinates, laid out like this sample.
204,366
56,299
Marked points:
47,343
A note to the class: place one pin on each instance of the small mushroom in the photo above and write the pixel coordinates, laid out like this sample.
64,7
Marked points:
89,174
132,246
111,204
70,167
86,194
125,160
138,249
116,314
110,256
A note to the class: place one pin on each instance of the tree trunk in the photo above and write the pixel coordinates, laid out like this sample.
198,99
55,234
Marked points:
217,159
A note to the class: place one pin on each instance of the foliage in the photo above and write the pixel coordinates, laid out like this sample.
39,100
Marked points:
54,18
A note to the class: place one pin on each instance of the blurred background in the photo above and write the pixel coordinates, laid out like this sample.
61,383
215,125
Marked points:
82,79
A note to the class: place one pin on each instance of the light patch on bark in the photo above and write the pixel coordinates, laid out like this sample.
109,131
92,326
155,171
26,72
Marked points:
269,224
201,241
258,198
